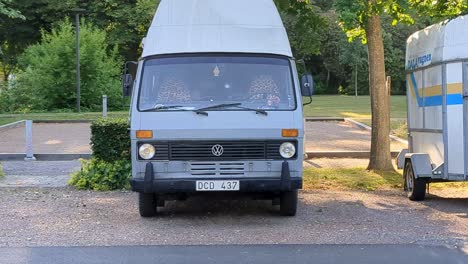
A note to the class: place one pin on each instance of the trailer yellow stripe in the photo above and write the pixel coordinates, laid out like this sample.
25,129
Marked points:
452,88
433,94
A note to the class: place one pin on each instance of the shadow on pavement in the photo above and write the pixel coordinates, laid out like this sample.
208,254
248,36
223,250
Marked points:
448,205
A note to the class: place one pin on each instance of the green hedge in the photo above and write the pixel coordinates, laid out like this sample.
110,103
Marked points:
110,139
110,168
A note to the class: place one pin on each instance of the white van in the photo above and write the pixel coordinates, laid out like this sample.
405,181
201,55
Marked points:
437,78
216,105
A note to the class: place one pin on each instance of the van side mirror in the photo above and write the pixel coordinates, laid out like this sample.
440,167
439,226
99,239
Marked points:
127,78
127,84
307,85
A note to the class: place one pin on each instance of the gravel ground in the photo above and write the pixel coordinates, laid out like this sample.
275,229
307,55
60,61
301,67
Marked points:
38,173
66,217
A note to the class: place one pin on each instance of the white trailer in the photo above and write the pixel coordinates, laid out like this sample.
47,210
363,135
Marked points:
437,98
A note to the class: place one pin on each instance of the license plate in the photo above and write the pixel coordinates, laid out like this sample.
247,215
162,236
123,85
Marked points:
207,186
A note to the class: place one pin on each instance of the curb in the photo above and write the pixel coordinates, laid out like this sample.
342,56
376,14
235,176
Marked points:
324,119
12,125
61,121
343,154
44,157
366,127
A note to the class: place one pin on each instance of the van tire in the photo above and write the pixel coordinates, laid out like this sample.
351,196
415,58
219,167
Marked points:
288,203
147,203
415,188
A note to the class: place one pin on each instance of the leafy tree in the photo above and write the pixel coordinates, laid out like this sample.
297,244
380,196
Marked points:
363,19
303,26
47,79
125,21
16,34
8,11
441,9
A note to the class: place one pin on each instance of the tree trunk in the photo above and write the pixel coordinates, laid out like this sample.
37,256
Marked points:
380,158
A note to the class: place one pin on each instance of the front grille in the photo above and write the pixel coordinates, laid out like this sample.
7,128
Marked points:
217,169
232,150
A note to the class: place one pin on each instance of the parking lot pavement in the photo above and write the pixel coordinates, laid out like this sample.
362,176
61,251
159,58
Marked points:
66,217
72,138
75,138
340,136
350,254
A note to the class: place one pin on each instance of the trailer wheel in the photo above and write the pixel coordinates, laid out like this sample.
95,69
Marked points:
415,188
288,203
147,203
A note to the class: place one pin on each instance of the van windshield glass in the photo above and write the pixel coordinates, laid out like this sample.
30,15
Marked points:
197,82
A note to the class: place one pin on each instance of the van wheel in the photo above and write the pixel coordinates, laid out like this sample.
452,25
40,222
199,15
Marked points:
288,203
147,204
415,188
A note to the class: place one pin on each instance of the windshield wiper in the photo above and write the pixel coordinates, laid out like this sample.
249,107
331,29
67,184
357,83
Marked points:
238,105
258,111
160,107
218,106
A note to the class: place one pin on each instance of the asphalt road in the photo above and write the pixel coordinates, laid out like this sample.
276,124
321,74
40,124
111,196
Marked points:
351,254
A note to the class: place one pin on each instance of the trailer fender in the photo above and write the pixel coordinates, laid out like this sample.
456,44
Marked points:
422,165
401,159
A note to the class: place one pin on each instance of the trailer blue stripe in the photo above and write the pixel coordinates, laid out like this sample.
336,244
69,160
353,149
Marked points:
452,99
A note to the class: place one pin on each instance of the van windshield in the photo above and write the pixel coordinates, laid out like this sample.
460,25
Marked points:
197,82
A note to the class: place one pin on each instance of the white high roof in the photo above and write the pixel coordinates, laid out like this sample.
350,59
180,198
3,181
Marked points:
438,43
192,26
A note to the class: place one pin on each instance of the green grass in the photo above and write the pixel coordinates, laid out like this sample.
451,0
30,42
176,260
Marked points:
1,171
350,106
10,118
350,179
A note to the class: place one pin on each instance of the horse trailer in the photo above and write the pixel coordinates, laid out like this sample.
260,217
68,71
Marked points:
437,101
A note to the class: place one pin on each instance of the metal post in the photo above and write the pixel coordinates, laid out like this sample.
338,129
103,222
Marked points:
29,143
104,106
445,121
78,77
465,114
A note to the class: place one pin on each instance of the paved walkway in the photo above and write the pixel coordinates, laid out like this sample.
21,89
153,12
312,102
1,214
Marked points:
73,138
340,136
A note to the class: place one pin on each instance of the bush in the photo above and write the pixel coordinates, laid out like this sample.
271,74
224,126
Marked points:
110,139
110,168
47,79
99,175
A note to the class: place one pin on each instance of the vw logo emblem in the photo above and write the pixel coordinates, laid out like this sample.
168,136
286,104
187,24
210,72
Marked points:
217,150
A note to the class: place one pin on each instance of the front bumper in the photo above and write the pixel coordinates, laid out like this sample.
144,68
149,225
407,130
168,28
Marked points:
177,185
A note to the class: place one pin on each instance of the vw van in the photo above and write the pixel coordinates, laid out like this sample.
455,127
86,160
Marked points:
216,105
